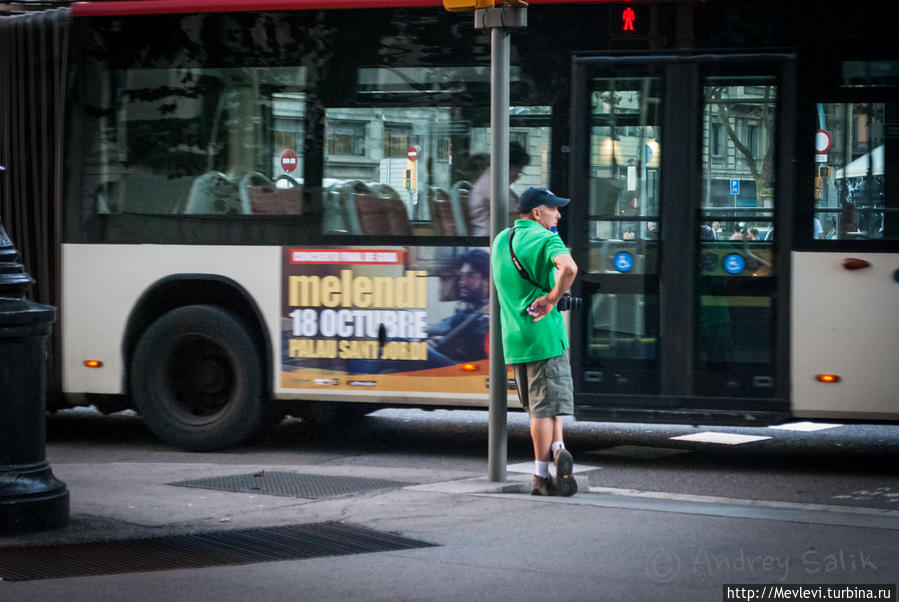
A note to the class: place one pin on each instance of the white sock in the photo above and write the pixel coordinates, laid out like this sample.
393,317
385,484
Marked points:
541,469
557,445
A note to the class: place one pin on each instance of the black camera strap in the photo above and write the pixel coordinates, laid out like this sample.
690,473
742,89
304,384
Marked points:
518,266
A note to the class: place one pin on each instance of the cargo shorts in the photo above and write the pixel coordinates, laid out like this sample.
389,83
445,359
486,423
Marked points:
544,387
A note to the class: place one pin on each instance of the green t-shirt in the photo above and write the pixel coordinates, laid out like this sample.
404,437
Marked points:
536,247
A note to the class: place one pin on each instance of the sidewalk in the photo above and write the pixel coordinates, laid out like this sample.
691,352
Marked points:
127,500
467,532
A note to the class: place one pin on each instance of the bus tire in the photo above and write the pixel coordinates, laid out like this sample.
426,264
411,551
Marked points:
197,379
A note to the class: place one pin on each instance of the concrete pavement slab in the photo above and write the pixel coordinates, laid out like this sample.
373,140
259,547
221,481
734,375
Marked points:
490,543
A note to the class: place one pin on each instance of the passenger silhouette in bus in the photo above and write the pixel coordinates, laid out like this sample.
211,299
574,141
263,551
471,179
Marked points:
471,167
479,200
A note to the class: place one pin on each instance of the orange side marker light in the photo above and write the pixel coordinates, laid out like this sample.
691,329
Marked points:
93,363
827,378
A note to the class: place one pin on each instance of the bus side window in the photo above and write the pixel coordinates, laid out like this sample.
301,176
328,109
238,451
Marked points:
420,160
850,167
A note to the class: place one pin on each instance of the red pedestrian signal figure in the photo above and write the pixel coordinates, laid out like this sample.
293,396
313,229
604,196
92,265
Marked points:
628,16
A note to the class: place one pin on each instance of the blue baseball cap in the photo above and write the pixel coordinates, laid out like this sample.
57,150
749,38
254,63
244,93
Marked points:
534,197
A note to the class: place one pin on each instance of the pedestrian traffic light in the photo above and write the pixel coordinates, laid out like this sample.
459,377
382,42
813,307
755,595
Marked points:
628,20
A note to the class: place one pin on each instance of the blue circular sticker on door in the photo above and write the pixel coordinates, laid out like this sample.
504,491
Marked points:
624,261
734,263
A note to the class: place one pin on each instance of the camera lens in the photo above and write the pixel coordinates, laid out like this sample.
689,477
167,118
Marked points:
567,302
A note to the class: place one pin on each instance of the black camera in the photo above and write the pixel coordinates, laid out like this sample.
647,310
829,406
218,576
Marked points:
568,302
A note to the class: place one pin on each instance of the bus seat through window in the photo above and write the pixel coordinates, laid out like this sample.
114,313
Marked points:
147,194
259,195
346,195
442,213
395,210
381,212
398,223
334,220
213,193
371,213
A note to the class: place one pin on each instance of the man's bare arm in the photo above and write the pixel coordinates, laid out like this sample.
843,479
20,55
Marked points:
541,306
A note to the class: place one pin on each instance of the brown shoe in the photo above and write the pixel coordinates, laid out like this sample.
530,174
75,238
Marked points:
564,484
542,486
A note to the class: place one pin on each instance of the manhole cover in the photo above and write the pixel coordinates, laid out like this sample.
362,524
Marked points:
293,542
291,484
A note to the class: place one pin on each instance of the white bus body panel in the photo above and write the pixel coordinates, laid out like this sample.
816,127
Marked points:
102,284
845,322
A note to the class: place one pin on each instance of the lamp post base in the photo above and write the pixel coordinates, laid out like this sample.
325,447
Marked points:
31,499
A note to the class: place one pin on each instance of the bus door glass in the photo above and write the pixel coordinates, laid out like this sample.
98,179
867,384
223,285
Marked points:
622,233
735,285
673,173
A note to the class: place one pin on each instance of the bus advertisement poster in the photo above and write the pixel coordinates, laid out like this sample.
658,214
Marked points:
428,304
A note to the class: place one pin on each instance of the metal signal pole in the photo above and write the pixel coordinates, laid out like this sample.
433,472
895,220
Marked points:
499,21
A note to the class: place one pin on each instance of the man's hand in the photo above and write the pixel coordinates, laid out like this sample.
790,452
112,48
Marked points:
541,307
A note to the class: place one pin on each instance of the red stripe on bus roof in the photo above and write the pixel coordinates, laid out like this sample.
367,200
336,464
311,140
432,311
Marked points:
163,7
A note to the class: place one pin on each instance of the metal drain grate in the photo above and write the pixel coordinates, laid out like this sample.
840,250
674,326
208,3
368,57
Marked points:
293,484
199,550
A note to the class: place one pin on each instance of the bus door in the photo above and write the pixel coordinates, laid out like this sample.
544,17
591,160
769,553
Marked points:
674,227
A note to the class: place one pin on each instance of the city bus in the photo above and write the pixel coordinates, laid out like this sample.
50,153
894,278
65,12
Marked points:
249,209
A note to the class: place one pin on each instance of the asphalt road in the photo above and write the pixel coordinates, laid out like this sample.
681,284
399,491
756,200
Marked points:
851,465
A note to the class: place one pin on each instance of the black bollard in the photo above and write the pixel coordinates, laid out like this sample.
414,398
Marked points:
31,498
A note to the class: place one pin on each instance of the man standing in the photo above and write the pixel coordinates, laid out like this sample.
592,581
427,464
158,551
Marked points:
524,260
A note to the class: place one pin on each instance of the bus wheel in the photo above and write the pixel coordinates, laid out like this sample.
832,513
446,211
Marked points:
197,379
